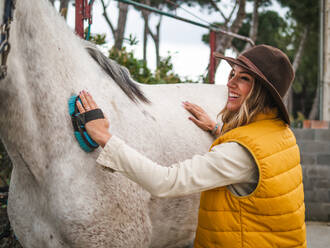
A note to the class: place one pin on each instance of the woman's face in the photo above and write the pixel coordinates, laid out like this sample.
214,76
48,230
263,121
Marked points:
239,84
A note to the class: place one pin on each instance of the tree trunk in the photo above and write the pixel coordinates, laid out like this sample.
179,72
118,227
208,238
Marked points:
300,51
255,22
145,38
107,19
156,38
145,15
289,97
64,4
314,110
224,41
121,25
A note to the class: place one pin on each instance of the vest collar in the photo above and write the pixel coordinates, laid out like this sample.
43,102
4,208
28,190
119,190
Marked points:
271,114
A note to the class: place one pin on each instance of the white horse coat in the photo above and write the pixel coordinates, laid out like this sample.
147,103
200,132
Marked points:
59,196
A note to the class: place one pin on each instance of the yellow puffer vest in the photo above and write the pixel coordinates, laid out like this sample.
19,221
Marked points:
274,214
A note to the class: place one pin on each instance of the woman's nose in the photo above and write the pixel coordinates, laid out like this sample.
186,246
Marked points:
231,82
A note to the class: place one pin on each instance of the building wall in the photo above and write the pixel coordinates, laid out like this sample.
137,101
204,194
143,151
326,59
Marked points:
314,147
326,61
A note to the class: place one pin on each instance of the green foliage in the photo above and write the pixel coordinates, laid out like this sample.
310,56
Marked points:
98,39
272,30
304,14
297,122
164,74
132,40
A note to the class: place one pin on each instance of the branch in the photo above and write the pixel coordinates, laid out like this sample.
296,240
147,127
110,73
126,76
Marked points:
239,17
224,41
215,6
64,8
300,50
155,36
288,97
255,22
232,12
107,19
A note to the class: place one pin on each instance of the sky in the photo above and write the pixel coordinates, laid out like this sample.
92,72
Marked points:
190,56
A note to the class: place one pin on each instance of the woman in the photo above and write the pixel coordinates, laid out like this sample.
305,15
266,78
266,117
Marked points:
251,180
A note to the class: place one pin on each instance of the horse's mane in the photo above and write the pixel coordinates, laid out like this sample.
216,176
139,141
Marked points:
118,73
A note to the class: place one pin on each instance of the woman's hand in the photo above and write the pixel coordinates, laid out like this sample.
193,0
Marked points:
97,129
200,117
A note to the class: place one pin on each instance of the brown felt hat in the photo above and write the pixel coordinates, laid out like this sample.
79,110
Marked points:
272,66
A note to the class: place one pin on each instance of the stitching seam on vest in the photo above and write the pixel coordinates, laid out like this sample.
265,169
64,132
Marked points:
238,231
286,193
241,224
294,167
291,212
272,231
268,231
219,210
275,153
200,244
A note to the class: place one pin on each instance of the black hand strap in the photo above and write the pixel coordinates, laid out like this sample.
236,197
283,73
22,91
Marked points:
90,116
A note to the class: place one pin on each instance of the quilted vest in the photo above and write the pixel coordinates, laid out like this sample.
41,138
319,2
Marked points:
273,215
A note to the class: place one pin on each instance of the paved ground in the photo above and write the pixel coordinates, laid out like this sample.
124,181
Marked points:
318,235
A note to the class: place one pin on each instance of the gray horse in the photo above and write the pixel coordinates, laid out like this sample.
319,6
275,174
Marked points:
59,196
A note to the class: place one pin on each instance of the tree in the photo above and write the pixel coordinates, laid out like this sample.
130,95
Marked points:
64,4
169,5
305,26
118,32
147,30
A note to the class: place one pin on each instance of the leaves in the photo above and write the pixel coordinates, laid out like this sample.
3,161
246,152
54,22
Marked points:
164,74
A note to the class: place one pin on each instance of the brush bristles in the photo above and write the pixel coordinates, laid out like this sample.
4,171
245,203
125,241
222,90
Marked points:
82,142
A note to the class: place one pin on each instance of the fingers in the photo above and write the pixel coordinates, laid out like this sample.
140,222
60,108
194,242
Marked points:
80,108
193,108
87,100
197,122
91,101
84,101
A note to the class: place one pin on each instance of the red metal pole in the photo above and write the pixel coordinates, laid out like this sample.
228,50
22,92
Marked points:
212,59
79,27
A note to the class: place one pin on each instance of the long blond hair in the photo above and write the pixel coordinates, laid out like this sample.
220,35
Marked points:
257,101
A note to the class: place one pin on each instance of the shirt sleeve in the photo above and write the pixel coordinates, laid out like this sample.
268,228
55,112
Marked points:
225,164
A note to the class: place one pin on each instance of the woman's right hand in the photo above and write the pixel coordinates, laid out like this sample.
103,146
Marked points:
200,117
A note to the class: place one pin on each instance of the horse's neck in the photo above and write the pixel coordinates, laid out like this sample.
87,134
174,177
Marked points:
47,63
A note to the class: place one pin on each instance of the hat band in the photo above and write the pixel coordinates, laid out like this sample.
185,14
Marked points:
255,69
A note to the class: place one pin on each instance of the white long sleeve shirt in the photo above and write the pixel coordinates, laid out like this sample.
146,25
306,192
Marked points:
227,164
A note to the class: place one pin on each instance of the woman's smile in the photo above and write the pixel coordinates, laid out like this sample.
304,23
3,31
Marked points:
233,96
239,85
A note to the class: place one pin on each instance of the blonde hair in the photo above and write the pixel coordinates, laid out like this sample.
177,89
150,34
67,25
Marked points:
257,101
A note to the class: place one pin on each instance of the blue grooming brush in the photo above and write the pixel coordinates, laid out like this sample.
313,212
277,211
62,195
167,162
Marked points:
79,121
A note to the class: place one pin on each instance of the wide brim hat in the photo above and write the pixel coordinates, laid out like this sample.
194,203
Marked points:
270,65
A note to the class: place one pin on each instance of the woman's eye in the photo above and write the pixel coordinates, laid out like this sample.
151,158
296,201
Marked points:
246,78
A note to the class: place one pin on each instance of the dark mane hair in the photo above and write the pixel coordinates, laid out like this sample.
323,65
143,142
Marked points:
118,73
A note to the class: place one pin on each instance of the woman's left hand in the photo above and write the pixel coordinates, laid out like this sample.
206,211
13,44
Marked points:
97,129
200,117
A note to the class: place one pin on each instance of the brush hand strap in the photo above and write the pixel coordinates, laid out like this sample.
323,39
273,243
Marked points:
90,116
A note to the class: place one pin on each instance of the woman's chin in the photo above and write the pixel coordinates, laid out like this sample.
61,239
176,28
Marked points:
232,107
